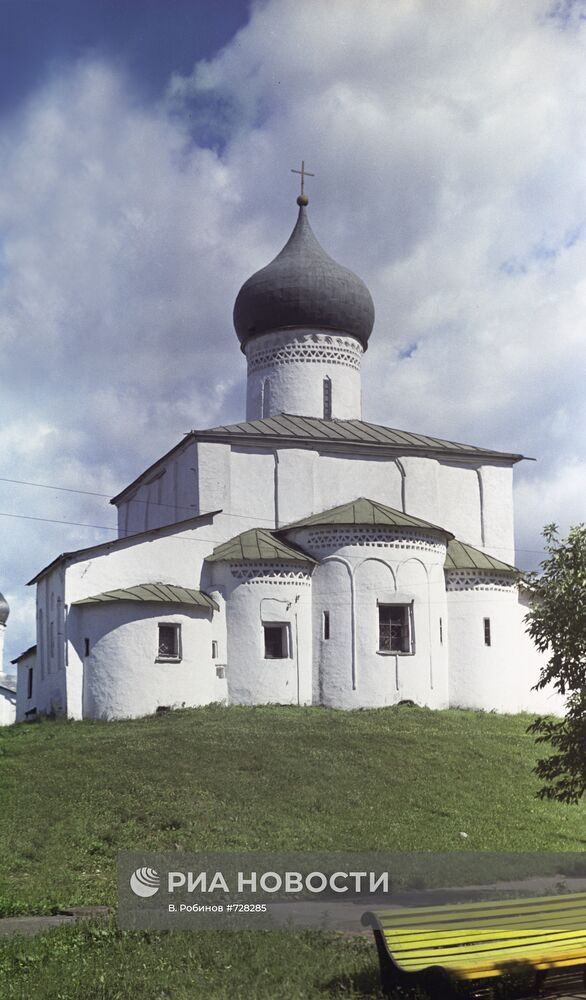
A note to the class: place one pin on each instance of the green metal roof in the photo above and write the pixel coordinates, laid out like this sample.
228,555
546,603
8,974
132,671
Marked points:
257,545
462,556
364,511
147,593
316,429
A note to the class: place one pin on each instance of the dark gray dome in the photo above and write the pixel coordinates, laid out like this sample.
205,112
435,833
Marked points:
304,287
4,610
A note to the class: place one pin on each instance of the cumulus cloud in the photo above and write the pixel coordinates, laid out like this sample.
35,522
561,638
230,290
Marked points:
448,148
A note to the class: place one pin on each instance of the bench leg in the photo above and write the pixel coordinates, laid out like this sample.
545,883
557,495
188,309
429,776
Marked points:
387,980
540,977
439,985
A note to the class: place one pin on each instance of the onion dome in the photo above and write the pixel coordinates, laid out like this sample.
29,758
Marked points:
303,287
4,610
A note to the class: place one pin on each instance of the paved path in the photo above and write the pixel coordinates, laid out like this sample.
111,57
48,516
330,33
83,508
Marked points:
35,925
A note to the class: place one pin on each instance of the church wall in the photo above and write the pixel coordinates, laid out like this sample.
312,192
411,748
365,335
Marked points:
529,666
50,674
252,488
421,487
360,569
173,558
123,676
286,372
267,594
7,707
333,657
459,507
498,676
296,483
211,474
25,704
169,495
497,503
342,478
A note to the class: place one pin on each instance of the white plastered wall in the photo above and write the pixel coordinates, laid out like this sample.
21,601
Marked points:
459,502
266,593
355,574
496,483
169,493
50,678
499,677
340,479
265,487
123,675
176,556
286,372
7,707
252,489
25,704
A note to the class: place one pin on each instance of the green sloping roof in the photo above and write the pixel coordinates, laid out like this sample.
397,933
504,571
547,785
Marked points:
159,593
347,432
364,511
257,545
462,556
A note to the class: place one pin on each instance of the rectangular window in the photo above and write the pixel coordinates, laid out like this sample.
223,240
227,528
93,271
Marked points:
327,399
169,642
214,650
326,625
395,629
276,641
86,647
29,683
487,641
441,632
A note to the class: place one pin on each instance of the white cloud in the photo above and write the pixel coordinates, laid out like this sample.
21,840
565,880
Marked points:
448,148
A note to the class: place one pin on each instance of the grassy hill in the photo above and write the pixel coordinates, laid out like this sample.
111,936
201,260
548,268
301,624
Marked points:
72,795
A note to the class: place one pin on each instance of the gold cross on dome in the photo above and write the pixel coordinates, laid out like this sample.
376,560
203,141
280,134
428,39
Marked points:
304,173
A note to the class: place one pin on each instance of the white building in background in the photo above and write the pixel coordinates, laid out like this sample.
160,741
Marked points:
7,682
302,556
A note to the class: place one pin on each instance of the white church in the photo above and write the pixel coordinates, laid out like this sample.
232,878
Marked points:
303,556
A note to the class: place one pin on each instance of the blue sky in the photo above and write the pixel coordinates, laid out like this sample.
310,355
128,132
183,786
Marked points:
146,150
151,39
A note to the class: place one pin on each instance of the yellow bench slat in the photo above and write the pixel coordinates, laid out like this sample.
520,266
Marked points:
486,939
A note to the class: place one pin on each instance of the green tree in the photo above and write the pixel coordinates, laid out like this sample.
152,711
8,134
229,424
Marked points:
557,624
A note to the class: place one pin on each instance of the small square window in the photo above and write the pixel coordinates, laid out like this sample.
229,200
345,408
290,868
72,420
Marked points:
276,641
487,636
395,628
169,642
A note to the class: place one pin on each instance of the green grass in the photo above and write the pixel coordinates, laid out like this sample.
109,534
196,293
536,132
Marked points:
94,961
403,779
72,795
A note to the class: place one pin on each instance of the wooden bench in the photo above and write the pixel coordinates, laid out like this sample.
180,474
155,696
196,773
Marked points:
449,950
